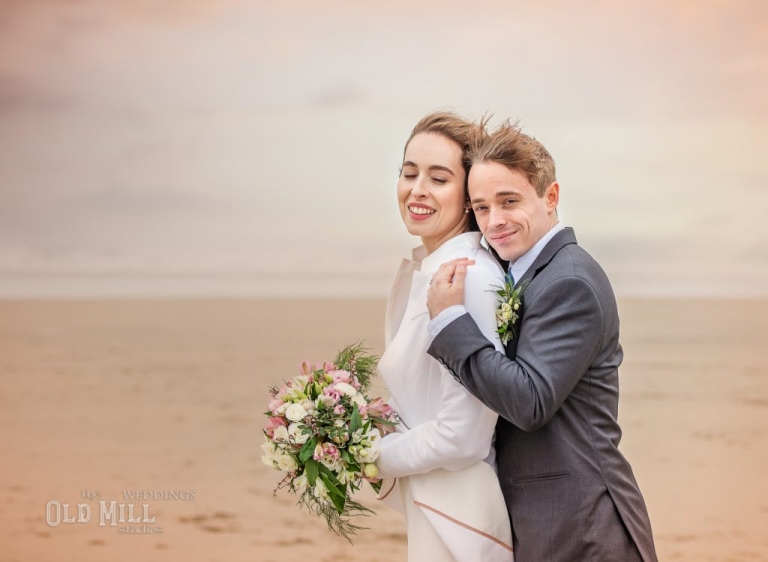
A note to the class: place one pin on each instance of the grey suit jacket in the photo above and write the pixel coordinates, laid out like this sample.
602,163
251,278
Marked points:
570,493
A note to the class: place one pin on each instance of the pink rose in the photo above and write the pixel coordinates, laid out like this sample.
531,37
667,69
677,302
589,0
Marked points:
332,392
340,376
330,450
339,410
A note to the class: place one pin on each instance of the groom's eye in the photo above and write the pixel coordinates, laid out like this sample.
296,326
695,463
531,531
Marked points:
510,201
480,208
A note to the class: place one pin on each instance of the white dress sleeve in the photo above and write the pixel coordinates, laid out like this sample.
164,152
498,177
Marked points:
462,432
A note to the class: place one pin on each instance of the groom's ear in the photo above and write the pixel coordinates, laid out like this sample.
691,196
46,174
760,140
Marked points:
552,195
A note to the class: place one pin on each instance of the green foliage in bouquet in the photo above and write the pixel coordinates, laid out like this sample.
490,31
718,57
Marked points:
324,431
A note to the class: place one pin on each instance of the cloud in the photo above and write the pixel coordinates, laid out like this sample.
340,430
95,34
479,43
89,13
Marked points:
237,136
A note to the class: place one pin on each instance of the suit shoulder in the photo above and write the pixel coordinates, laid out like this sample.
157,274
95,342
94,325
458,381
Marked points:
572,261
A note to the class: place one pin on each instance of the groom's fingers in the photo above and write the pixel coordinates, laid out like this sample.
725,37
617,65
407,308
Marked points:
456,261
444,274
447,286
458,278
446,271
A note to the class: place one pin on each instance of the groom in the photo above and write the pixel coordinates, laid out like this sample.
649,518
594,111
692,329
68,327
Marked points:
570,493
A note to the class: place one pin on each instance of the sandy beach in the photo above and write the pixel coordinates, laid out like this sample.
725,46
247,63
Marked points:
102,400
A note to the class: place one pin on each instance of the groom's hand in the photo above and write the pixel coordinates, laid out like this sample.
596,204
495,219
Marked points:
447,286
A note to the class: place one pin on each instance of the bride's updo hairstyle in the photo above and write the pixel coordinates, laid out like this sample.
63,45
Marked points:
463,132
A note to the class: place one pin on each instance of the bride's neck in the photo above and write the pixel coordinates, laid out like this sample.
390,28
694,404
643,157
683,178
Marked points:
432,243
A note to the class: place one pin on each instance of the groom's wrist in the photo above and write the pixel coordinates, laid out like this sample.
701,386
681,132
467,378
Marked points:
447,316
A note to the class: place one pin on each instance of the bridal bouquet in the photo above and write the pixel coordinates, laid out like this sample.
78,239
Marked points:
324,431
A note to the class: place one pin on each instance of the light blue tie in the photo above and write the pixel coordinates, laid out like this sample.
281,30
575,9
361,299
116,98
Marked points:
510,277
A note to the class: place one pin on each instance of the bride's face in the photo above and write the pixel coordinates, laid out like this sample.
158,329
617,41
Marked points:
431,190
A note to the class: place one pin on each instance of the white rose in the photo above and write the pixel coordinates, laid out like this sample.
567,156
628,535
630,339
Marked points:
280,434
295,412
282,408
346,389
296,434
309,406
359,399
269,457
287,462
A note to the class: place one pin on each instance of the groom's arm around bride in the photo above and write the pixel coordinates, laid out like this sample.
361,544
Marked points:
571,494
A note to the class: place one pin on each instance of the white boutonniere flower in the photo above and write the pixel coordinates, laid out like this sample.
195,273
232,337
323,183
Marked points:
507,313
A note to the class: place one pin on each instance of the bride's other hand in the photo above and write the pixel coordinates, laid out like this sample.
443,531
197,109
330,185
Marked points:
446,288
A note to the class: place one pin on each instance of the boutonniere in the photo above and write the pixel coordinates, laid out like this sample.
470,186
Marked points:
509,305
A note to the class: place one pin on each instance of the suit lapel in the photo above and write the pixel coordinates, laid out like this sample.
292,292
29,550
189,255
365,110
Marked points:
558,242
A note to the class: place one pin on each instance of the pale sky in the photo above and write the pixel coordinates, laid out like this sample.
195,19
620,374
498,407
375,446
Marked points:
236,148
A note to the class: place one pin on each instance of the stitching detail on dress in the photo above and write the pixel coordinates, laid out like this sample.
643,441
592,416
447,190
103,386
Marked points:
380,497
452,520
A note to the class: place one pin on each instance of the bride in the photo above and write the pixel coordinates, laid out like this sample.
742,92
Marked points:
439,467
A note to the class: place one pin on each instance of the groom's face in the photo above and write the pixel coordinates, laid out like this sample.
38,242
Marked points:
511,215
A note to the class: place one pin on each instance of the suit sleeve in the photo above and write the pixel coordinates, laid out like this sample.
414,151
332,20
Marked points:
560,337
462,432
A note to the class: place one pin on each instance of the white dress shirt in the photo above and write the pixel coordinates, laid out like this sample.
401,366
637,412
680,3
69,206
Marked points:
517,269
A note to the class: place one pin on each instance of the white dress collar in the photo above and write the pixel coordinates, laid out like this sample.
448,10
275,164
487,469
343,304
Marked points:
430,263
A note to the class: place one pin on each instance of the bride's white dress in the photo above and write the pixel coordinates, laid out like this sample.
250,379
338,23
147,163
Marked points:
440,465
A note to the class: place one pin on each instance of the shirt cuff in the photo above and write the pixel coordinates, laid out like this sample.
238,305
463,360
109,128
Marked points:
447,316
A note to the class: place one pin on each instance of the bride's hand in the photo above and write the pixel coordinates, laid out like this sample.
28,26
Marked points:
446,288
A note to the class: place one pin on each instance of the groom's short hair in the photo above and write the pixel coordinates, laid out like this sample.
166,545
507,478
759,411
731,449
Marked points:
509,146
